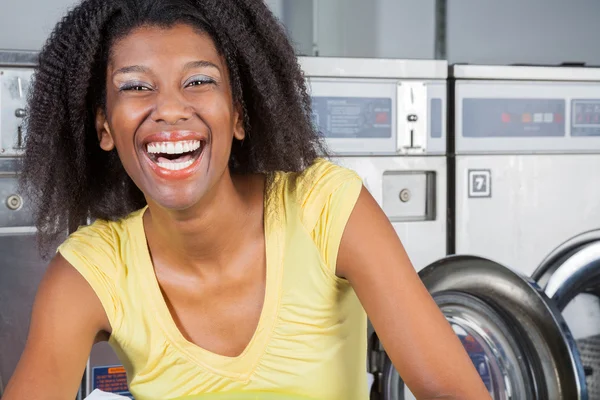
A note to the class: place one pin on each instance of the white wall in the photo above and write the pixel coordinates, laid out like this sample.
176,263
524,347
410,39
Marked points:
363,28
479,31
25,24
276,7
523,31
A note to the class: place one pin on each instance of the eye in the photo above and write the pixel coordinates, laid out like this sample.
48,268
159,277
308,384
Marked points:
135,87
198,80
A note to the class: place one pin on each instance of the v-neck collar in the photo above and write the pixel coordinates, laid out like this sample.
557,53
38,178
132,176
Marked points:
242,366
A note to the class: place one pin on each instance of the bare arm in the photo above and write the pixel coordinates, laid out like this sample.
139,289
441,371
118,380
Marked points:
421,344
67,317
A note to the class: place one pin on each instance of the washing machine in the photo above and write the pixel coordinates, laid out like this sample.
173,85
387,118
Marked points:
501,133
386,120
525,167
523,156
21,267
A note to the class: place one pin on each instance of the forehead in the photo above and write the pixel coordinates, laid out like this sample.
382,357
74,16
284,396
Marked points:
150,45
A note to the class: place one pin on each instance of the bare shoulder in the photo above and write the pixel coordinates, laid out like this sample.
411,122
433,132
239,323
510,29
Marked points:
62,283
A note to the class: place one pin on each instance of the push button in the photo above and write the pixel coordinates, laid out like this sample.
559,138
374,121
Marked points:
14,202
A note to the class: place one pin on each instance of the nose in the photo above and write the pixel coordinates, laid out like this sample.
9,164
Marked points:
171,108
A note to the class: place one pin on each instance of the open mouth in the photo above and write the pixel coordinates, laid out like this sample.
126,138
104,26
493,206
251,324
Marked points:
175,156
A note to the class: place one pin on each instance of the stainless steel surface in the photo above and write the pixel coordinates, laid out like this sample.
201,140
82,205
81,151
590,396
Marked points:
409,196
570,276
576,273
345,67
553,260
423,231
553,358
536,203
14,212
14,87
18,58
524,73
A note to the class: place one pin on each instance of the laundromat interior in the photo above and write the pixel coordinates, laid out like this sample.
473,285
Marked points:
475,124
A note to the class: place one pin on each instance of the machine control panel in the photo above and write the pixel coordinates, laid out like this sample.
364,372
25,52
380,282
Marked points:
353,117
14,87
513,117
585,120
379,116
526,117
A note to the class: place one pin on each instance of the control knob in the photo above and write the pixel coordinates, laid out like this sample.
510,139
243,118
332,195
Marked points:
14,202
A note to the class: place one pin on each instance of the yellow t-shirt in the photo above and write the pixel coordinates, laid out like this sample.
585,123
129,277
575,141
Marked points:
311,336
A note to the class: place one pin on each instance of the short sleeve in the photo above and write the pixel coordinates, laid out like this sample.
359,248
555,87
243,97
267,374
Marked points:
92,251
328,194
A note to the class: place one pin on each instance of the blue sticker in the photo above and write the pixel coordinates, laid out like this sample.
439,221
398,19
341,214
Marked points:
111,379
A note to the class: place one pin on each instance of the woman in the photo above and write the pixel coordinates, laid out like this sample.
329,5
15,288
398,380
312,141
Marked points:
225,255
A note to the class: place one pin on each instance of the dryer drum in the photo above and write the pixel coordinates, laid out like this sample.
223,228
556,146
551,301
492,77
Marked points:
514,334
570,270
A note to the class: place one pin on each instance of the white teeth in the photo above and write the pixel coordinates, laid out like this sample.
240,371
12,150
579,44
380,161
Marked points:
175,166
173,147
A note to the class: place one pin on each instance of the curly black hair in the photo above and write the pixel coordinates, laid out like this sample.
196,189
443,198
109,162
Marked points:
66,175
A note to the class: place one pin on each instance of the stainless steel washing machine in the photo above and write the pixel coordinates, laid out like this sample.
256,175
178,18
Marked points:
516,145
527,146
21,267
386,120
527,158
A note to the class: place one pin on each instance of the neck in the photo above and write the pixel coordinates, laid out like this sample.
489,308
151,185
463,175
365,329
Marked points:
208,233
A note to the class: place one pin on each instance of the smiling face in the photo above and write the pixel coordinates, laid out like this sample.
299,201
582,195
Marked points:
170,113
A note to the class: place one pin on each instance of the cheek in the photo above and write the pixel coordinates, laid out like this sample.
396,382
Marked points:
219,117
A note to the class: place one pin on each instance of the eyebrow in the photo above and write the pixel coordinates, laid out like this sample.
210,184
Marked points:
188,66
201,64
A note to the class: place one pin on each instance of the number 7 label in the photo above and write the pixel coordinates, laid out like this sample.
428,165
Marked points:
480,183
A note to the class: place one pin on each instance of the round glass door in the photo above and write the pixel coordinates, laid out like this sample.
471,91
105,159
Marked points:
492,343
514,335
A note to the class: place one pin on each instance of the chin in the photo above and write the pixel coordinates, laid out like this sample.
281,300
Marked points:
176,201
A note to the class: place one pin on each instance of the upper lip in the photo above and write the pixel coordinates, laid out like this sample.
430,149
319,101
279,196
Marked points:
174,136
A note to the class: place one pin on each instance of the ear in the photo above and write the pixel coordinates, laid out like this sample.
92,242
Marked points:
238,122
107,142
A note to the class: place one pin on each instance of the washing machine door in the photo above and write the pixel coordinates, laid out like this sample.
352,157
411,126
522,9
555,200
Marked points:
514,334
570,276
